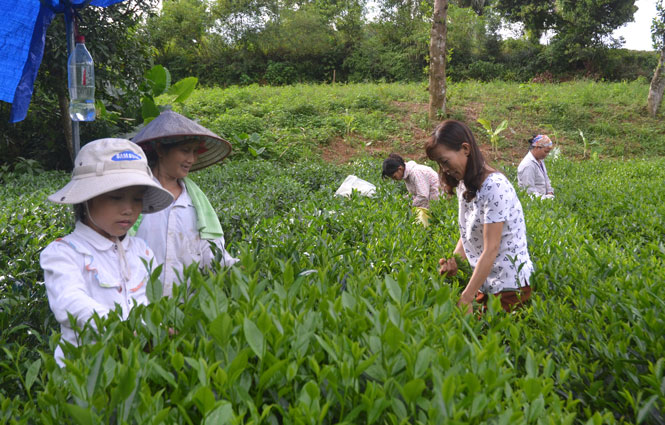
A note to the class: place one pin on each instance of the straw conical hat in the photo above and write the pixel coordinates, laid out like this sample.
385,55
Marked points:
171,127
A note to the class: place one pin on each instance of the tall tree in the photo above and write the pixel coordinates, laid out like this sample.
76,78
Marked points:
578,23
657,86
179,33
437,67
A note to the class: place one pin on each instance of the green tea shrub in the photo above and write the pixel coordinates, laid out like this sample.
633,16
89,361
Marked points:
336,312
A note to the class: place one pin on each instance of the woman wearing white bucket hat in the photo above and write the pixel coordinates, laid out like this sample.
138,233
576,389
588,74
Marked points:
181,234
98,266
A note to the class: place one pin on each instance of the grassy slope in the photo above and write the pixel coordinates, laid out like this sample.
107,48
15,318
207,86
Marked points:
344,121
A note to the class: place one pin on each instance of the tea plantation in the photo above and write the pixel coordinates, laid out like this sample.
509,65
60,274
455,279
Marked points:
337,313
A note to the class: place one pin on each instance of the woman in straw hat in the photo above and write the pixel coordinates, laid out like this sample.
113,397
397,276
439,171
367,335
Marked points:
98,266
181,234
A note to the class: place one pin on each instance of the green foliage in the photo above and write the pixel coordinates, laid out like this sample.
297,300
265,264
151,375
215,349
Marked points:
587,147
337,313
582,23
280,73
121,54
493,134
610,113
158,83
658,27
22,166
293,122
484,71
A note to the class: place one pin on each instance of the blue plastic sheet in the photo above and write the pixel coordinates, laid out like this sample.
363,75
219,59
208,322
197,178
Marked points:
22,38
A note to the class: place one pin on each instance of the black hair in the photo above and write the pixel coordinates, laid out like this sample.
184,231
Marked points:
452,134
530,141
391,164
152,155
79,212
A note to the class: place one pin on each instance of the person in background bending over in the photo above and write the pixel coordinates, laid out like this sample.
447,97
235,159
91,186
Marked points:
531,173
181,234
421,181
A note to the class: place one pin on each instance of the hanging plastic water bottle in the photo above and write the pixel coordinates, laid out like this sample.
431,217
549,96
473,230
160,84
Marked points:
81,78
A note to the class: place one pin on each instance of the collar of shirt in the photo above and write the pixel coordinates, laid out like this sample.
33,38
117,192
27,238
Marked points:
533,159
97,241
408,168
183,200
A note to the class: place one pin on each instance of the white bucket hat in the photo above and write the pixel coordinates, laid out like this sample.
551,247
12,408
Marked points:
106,165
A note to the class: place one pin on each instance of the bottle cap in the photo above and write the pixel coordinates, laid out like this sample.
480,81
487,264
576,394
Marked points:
80,39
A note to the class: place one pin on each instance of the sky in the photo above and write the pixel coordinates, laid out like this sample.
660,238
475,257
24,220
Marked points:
638,34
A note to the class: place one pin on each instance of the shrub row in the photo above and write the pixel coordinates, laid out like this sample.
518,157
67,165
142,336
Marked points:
337,314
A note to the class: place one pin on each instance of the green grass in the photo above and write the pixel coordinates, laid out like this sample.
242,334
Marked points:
295,122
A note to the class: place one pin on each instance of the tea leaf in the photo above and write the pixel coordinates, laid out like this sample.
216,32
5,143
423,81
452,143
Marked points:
393,289
254,337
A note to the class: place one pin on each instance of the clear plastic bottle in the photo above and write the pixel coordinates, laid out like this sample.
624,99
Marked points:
81,79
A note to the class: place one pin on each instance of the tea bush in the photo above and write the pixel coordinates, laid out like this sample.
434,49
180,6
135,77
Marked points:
336,313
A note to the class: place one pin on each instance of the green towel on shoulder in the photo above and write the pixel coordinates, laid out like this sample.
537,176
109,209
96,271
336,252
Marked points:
206,217
135,228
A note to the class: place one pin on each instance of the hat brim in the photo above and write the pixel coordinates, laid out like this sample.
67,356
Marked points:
215,148
84,188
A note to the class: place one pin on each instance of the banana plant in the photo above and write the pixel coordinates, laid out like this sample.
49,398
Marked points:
494,135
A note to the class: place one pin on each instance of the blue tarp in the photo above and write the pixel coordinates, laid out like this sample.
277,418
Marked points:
22,38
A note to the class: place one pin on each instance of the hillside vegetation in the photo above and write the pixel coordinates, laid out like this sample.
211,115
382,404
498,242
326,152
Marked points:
344,121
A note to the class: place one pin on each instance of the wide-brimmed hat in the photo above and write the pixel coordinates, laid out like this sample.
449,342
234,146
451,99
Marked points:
106,165
171,127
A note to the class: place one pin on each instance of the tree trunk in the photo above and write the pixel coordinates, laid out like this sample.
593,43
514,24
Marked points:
437,66
63,102
657,86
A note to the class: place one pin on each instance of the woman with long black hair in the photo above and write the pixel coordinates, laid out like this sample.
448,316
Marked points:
491,220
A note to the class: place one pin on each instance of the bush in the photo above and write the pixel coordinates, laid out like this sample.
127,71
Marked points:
280,73
623,64
485,71
338,313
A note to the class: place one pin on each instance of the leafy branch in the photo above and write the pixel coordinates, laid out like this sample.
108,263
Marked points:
494,135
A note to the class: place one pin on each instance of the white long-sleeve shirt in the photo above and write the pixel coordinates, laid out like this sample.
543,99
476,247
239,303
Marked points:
174,237
532,176
84,272
422,183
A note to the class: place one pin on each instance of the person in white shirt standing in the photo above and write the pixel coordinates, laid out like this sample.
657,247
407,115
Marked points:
491,220
421,181
181,234
532,173
97,267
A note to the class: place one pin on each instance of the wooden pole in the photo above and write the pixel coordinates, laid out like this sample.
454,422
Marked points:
76,136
